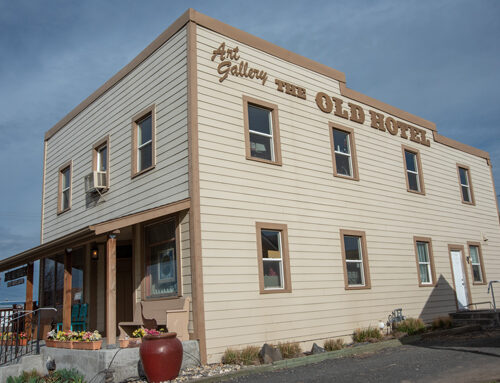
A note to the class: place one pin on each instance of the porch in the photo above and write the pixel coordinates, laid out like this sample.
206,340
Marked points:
128,270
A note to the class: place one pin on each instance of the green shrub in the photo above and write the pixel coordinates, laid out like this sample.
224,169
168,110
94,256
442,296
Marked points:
411,326
333,344
370,334
231,356
289,349
249,355
66,376
26,377
442,322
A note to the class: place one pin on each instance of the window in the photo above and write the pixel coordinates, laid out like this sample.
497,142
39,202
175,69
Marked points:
262,141
162,264
343,152
464,180
413,170
355,260
100,160
64,197
272,251
476,262
425,261
143,141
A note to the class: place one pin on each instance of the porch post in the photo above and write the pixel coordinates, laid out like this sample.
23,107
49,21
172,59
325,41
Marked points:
111,290
67,291
29,299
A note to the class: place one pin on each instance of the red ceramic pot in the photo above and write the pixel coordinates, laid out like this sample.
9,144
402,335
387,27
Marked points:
161,356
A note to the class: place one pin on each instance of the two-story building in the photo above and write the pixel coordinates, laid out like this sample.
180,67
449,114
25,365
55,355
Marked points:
286,206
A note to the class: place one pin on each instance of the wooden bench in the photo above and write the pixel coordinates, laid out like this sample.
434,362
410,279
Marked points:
175,320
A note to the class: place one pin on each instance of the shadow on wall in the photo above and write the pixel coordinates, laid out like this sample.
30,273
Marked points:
441,301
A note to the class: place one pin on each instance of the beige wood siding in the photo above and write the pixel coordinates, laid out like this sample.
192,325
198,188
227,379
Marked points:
303,194
161,80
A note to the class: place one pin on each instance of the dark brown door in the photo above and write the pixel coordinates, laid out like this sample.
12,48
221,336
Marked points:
124,284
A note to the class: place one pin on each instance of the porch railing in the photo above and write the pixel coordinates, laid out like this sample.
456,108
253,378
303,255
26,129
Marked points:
20,333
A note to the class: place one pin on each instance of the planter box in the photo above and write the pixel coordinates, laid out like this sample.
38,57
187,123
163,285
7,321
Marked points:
130,343
13,342
59,343
87,345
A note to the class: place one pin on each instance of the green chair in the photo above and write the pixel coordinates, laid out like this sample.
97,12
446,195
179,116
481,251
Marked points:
78,318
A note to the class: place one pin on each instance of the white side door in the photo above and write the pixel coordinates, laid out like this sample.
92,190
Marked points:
459,277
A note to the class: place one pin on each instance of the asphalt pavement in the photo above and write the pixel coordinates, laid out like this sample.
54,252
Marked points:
468,358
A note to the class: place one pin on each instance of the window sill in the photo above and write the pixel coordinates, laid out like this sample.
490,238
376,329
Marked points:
59,212
367,287
355,178
142,172
469,203
479,283
276,291
427,285
277,163
415,192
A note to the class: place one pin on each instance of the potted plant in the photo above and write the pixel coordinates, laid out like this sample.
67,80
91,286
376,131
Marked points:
22,339
51,339
87,340
161,355
137,336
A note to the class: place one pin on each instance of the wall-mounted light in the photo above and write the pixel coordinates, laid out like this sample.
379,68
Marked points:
468,259
94,252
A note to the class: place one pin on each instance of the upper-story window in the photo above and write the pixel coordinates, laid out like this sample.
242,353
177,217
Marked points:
465,184
343,152
64,195
413,170
261,131
143,141
100,159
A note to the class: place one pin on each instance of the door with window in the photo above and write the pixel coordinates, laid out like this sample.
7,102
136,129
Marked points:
460,279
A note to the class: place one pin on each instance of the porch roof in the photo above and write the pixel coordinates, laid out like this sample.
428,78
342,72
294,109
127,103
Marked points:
89,233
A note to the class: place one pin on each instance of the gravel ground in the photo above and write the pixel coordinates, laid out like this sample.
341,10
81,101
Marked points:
194,373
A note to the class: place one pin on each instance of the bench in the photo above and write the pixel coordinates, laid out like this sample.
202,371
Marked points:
175,320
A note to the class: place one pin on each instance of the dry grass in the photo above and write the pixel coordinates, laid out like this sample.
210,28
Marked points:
289,349
411,326
370,334
333,344
249,355
231,356
442,323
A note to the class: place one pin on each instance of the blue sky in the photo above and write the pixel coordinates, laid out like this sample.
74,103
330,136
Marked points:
437,59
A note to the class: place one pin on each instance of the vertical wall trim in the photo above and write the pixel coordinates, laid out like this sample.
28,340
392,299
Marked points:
494,190
194,194
43,188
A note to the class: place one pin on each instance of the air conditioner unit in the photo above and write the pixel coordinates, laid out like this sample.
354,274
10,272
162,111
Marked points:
96,181
100,180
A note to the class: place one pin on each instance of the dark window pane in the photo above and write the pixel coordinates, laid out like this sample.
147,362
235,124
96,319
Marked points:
259,119
411,161
145,130
465,193
65,200
354,273
160,232
66,178
424,274
413,181
463,176
270,244
261,147
341,141
272,274
352,247
103,158
422,250
49,279
476,270
343,164
145,157
474,254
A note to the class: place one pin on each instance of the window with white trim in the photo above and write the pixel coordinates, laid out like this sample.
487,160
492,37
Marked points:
342,150
475,260
465,184
64,195
424,263
260,127
412,171
354,260
144,143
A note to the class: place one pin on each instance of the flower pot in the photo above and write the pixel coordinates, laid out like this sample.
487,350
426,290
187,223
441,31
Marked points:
161,356
64,344
95,345
134,342
124,343
51,343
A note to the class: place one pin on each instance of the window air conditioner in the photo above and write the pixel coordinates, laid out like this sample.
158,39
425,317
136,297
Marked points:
100,180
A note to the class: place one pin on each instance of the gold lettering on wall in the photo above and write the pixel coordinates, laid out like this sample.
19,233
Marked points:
355,113
290,89
229,66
